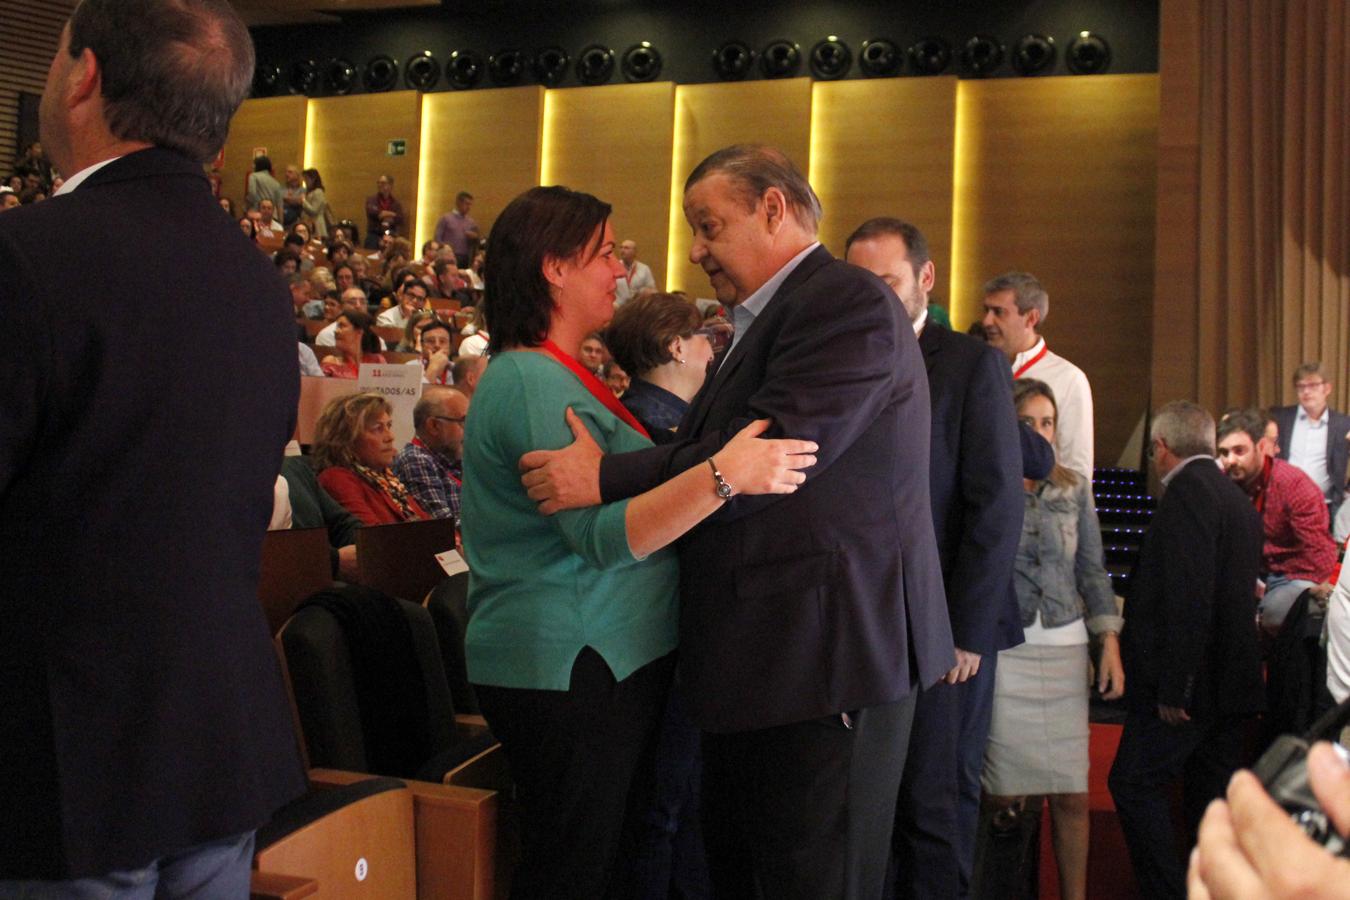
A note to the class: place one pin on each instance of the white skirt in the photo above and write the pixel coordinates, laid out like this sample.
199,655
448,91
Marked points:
1038,736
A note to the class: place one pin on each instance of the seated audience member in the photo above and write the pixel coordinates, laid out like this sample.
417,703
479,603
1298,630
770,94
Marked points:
302,295
268,227
450,282
431,466
245,224
1298,553
594,353
228,205
410,295
353,299
309,363
475,334
355,343
344,277
395,254
312,507
1249,847
353,451
332,305
1065,597
465,372
322,281
615,378
433,347
474,273
339,252
660,341
1315,435
412,331
430,249
287,262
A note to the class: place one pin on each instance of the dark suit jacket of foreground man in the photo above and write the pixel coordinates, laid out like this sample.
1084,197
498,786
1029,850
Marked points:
150,384
799,606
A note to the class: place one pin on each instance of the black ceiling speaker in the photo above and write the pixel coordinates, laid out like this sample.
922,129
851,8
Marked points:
422,71
830,59
641,62
266,80
780,59
550,66
338,77
507,67
930,56
1033,54
880,59
464,69
595,65
981,55
732,60
302,76
1089,54
381,73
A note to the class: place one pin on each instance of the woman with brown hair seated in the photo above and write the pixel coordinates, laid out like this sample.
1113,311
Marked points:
356,342
353,450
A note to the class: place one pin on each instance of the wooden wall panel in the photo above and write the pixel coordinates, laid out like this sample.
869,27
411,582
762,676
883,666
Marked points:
1057,177
884,147
616,142
484,142
711,116
30,31
348,141
277,123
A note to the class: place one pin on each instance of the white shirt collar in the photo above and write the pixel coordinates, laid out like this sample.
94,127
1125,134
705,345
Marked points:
1167,479
755,303
1320,420
1028,353
78,178
919,322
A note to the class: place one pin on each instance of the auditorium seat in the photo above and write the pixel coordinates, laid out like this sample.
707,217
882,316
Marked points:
400,559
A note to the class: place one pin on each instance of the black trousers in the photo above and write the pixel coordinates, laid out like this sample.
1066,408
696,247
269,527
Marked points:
805,810
1152,755
582,762
938,811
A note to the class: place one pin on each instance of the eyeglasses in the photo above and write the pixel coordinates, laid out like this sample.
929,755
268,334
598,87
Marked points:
1308,386
458,420
718,334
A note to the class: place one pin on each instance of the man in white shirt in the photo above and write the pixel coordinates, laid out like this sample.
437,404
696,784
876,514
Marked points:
353,298
1015,305
1313,436
637,276
267,224
412,296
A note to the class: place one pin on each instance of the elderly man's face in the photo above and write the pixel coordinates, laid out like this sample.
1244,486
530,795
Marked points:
353,299
628,252
266,210
732,244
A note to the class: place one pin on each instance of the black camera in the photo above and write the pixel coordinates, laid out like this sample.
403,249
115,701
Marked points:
1283,769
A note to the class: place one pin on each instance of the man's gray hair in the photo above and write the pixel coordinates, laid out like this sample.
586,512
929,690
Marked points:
1027,292
173,71
754,168
1185,427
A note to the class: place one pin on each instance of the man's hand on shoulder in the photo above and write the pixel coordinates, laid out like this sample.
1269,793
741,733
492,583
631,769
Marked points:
564,479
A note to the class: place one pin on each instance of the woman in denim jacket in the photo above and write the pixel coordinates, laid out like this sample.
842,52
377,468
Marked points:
1038,740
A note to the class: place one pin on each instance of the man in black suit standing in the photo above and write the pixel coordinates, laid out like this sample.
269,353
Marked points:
1315,437
808,620
975,475
145,732
1190,648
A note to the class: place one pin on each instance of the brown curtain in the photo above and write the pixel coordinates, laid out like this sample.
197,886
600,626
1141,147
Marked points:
1253,199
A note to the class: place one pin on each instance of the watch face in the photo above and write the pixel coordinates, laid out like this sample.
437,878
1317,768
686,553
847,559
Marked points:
724,490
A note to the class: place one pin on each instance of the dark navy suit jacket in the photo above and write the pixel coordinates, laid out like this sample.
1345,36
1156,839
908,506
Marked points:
830,599
150,384
976,483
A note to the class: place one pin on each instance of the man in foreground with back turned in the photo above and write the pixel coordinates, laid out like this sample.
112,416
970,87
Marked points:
807,620
145,731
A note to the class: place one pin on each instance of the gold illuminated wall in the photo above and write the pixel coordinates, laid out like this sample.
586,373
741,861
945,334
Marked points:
616,142
1055,176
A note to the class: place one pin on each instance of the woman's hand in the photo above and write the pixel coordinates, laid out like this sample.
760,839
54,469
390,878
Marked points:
1110,672
752,465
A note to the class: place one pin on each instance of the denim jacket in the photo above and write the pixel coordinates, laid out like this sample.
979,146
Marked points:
1059,567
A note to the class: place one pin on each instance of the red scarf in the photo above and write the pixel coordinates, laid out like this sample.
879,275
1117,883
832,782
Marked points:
596,387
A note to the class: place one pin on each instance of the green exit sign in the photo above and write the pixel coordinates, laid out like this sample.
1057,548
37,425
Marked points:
398,148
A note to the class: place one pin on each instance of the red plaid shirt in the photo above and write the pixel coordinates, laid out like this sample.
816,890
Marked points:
1294,517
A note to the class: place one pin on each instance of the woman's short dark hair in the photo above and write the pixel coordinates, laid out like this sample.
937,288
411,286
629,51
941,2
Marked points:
542,223
314,176
173,73
370,341
640,334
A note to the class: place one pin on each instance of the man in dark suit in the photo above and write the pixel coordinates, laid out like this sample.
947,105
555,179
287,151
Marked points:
975,475
1315,437
145,732
1190,648
808,620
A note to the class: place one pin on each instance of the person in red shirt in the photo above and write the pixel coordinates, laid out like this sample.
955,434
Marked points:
354,450
1298,552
